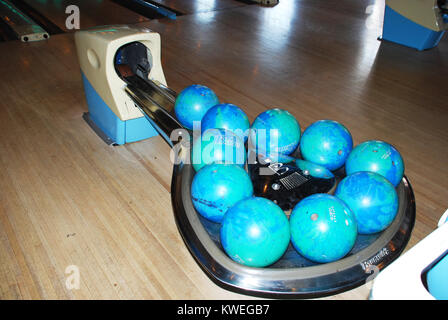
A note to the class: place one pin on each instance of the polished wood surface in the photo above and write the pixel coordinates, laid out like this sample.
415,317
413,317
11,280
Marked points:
68,199
105,12
200,6
92,13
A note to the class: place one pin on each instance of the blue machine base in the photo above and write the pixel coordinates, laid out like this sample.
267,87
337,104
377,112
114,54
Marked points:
401,30
108,126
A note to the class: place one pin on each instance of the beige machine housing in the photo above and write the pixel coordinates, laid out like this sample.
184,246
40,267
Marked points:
96,49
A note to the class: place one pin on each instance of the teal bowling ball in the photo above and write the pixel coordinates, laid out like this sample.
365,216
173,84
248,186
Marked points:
275,132
313,169
255,232
372,198
218,146
217,187
227,116
379,157
327,143
323,228
192,103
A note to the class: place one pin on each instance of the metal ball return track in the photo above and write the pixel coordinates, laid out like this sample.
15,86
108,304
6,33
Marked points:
292,276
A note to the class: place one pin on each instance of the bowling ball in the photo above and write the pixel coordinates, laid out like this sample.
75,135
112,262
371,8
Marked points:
313,169
327,143
217,187
255,232
192,103
227,116
376,156
372,198
274,133
220,146
323,228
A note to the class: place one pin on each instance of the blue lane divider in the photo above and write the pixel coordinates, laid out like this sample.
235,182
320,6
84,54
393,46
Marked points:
162,11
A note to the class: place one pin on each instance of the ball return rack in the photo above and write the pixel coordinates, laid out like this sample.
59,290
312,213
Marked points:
292,276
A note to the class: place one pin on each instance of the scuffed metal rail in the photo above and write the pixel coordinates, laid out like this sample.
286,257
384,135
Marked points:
23,26
155,101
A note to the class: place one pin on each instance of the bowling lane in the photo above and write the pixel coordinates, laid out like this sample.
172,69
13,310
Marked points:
106,12
199,6
69,199
92,13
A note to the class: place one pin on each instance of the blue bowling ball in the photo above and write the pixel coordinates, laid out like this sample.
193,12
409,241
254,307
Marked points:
313,169
227,116
323,228
218,146
274,133
192,103
217,187
327,143
255,232
376,156
372,199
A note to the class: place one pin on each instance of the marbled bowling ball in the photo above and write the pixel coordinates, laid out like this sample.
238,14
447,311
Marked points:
275,132
227,116
218,146
313,169
327,143
376,156
323,228
255,232
192,103
217,187
372,199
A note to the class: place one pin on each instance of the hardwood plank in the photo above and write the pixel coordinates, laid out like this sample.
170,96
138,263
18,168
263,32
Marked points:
199,6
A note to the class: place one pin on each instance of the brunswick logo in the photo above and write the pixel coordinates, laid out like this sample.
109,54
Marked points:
367,265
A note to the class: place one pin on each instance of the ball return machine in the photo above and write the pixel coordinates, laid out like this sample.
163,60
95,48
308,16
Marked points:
129,100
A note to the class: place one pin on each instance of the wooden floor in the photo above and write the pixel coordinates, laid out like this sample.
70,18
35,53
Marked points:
67,199
92,13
